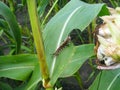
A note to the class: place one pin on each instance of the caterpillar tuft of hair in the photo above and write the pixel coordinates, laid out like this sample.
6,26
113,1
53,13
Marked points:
62,46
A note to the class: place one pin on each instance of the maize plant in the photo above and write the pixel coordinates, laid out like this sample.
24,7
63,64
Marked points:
108,45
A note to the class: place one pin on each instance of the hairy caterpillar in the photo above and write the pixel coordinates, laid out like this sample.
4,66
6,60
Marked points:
63,45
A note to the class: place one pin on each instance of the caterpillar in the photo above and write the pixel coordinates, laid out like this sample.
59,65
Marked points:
63,45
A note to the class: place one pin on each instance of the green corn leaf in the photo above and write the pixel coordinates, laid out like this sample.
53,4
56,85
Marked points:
11,20
82,53
3,24
107,80
35,79
41,7
70,60
76,14
1,32
17,67
62,61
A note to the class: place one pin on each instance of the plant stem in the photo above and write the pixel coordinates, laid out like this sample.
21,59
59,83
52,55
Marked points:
79,79
80,37
37,35
11,4
49,13
49,89
89,32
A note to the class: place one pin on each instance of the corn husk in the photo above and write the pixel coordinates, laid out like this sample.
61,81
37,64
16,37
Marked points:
109,38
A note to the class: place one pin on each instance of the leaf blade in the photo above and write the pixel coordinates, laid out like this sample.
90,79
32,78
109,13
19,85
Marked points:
109,80
10,65
64,22
11,20
82,53
35,79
